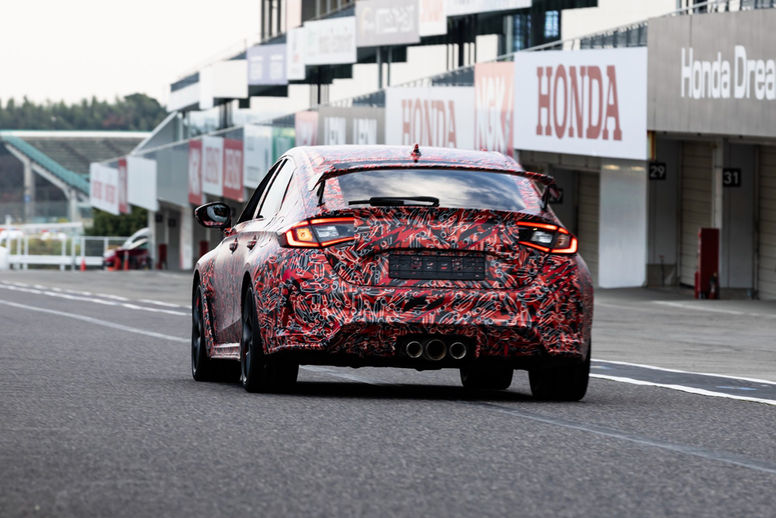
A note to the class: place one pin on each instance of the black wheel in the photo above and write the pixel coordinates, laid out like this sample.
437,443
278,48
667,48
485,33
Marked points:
486,377
202,367
259,372
566,382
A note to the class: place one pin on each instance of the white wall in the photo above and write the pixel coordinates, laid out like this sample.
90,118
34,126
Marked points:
610,14
622,230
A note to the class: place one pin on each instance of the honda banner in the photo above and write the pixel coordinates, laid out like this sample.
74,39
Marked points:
494,107
330,42
584,102
213,165
233,169
386,22
257,153
103,188
123,203
442,116
195,172
306,126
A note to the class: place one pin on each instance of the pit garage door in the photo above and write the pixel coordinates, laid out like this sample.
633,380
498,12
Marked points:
587,220
767,242
696,204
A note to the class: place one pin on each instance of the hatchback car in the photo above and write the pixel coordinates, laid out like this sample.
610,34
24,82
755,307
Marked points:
392,256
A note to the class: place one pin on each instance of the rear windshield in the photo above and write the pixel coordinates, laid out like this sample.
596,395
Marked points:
454,188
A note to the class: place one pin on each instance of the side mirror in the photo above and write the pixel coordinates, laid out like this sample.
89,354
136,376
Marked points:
551,194
215,214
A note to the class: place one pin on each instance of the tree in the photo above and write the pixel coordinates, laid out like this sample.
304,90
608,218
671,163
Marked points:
135,112
106,224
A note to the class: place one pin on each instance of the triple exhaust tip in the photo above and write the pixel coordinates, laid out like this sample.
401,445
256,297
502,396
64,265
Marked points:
435,349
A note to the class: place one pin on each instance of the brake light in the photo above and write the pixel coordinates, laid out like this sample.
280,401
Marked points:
319,233
547,238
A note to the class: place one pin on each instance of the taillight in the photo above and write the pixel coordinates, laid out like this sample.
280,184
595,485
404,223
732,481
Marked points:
320,232
547,238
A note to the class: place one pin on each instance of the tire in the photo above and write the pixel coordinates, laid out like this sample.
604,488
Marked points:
486,377
566,382
259,372
202,367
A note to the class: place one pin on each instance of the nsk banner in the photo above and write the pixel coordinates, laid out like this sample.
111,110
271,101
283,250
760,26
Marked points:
257,154
213,165
432,19
330,42
295,42
104,188
195,172
233,169
267,65
306,127
386,22
717,73
585,102
461,7
356,125
141,185
493,101
123,203
430,116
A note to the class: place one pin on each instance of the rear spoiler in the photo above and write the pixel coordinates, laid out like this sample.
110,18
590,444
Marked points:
549,194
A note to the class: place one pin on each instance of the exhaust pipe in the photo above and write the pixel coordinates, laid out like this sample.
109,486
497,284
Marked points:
457,350
414,349
434,349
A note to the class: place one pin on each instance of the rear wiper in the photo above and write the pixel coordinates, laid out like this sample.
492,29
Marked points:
389,201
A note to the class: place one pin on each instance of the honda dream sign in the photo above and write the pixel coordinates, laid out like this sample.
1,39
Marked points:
713,73
586,102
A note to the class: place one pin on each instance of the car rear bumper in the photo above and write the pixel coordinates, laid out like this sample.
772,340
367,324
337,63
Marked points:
550,318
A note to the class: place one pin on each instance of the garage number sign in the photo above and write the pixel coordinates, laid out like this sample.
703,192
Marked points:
731,177
657,170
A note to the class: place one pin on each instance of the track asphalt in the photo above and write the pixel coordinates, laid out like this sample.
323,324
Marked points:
99,416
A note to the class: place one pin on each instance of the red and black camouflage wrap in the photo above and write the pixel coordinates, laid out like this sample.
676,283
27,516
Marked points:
341,300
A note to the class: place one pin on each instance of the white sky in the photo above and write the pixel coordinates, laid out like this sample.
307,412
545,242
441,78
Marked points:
71,49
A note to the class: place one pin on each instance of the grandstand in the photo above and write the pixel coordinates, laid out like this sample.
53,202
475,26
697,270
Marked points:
44,175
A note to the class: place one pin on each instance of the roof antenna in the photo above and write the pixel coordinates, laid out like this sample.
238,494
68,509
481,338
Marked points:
415,153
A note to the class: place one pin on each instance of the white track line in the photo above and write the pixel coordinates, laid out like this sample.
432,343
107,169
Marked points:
62,295
682,388
727,376
96,321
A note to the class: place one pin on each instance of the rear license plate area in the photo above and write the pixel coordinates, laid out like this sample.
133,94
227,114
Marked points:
437,266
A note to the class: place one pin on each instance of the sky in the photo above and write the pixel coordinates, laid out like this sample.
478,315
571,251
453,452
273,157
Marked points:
73,49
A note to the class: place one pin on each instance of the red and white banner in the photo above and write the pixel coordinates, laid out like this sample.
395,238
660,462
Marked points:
494,95
195,172
440,116
123,203
432,19
585,102
306,125
213,165
141,184
233,169
104,188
